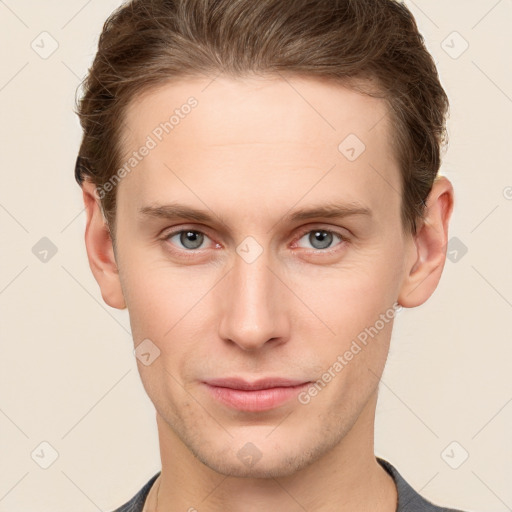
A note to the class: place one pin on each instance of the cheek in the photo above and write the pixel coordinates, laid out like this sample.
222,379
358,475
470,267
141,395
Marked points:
351,303
353,297
158,306
158,293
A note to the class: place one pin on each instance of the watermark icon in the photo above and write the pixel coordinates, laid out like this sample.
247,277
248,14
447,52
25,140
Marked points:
249,249
44,455
44,250
305,397
507,193
249,454
457,249
454,455
152,141
45,45
352,147
454,45
146,352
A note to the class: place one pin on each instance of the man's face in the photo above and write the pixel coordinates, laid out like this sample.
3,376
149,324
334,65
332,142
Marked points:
253,293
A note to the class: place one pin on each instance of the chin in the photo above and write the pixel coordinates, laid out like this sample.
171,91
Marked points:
278,467
272,461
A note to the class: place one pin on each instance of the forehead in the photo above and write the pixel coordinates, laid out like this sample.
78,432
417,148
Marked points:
245,108
255,134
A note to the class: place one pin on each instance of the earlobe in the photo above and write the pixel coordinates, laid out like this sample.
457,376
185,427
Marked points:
428,255
100,250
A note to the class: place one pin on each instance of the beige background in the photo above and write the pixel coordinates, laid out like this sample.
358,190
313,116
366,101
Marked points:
67,372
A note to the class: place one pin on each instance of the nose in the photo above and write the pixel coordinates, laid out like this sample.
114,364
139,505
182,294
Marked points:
253,305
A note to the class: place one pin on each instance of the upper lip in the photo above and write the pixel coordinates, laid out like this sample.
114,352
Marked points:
266,383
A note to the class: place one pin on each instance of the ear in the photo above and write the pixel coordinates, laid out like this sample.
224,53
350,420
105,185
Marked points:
429,253
100,250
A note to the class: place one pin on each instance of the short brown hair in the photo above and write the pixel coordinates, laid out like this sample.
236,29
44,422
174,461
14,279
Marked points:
146,43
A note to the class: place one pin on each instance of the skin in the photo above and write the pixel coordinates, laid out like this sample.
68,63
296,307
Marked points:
250,153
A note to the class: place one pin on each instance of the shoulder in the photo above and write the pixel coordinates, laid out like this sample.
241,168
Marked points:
408,499
136,504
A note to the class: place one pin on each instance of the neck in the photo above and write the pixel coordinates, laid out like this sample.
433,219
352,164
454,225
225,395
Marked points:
348,478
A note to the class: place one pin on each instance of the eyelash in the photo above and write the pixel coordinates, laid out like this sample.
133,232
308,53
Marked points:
191,253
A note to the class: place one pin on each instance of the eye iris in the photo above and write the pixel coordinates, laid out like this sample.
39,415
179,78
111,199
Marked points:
321,237
191,237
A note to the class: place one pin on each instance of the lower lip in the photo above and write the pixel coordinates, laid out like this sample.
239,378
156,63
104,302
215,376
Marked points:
255,400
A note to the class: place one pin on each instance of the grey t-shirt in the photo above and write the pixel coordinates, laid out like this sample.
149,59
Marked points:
408,499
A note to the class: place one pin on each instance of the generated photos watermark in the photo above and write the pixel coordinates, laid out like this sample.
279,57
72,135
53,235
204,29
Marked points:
355,348
152,140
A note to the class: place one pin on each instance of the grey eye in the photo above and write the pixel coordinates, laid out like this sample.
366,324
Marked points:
320,238
190,239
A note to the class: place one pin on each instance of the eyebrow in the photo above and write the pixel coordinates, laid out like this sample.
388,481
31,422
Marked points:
329,210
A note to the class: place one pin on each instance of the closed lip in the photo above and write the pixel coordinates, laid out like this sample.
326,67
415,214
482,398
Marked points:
254,385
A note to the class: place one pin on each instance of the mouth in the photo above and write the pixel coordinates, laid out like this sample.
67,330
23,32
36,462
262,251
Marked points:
260,395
